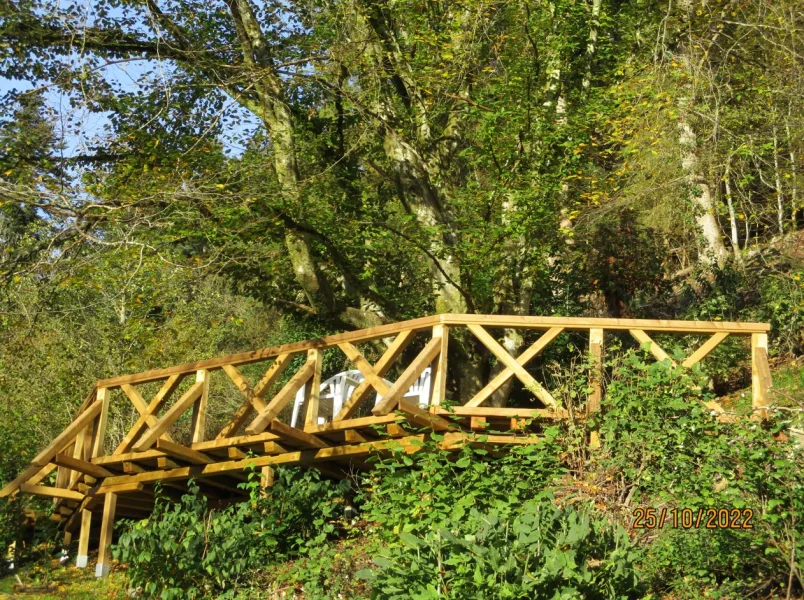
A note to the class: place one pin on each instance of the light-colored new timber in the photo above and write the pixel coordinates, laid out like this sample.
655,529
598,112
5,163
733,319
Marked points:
144,409
183,453
76,464
285,395
198,431
149,438
523,359
654,348
153,408
105,544
705,349
313,391
297,436
406,379
51,492
83,540
45,456
387,360
510,362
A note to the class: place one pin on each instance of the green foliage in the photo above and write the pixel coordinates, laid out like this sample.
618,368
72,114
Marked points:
433,487
187,550
671,452
537,550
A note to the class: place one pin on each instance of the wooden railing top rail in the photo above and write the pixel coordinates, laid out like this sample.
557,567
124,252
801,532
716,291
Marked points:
363,335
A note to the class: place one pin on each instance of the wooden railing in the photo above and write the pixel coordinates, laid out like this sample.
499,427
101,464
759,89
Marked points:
147,453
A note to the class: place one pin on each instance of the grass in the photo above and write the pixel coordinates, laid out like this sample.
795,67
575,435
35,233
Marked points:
72,583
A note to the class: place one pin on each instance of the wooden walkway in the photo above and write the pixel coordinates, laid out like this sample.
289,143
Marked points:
91,481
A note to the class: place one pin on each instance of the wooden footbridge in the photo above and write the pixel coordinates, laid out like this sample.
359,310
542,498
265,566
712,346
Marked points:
92,478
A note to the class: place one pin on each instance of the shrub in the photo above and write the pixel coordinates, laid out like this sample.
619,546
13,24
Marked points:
432,487
538,551
187,550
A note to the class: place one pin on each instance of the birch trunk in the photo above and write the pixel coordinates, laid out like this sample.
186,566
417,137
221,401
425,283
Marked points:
735,238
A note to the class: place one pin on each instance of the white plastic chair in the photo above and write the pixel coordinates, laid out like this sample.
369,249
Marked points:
336,390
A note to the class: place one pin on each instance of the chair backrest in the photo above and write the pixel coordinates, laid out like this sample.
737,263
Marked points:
336,390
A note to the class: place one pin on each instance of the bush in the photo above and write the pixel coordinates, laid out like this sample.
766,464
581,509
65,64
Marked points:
539,551
432,487
670,451
187,550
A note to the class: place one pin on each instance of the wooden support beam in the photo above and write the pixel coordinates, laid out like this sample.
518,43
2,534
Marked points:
350,436
370,375
253,395
199,426
595,381
183,453
760,375
171,416
438,376
144,409
285,395
132,467
235,453
478,423
395,430
533,386
45,456
382,367
121,488
297,436
266,479
705,349
149,419
83,540
523,359
104,546
491,412
104,398
406,379
76,464
43,473
288,458
423,418
166,463
354,423
51,492
316,357
654,348
273,448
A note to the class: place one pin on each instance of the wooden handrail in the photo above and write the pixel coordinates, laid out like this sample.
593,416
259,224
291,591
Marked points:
454,320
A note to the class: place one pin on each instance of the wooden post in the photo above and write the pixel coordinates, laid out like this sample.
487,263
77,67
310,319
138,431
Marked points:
595,376
438,376
760,374
266,480
198,433
104,548
83,539
313,388
99,436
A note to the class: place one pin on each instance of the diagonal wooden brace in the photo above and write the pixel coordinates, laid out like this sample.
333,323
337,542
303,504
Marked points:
285,395
411,374
502,355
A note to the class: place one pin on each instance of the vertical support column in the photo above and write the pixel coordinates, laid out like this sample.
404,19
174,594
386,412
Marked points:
83,539
104,398
595,381
313,388
266,480
198,432
438,376
107,524
760,374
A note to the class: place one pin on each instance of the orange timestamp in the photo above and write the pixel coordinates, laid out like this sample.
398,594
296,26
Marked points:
688,518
